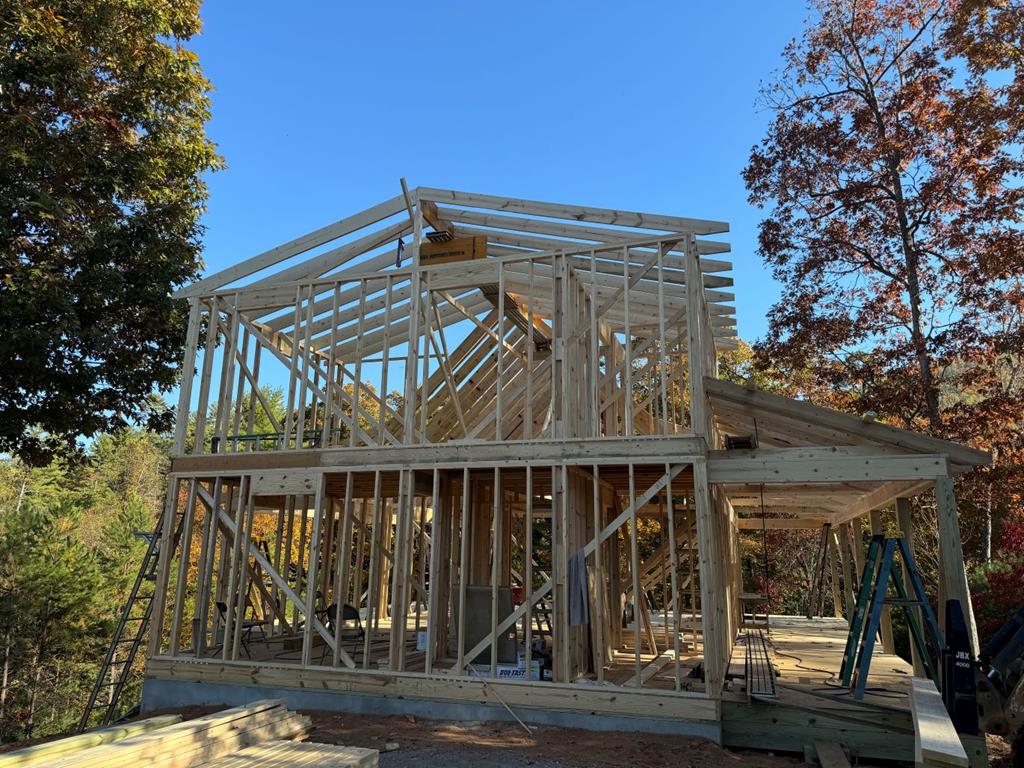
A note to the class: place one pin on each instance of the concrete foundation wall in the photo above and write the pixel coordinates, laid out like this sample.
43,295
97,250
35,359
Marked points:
161,693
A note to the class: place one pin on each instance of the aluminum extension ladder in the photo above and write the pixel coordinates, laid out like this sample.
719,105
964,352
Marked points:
129,635
872,595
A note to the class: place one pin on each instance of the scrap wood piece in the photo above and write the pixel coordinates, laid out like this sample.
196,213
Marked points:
277,754
831,755
51,750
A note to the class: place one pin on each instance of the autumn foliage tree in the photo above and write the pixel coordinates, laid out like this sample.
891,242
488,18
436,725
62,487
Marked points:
891,177
102,155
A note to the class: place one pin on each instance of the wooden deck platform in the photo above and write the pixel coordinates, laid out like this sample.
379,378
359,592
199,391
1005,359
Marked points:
810,705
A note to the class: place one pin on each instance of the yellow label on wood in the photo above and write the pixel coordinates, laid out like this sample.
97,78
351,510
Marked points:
458,249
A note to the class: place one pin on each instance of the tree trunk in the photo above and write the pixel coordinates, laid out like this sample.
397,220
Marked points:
37,672
988,525
912,263
5,676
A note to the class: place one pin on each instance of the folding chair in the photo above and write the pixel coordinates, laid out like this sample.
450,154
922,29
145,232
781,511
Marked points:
330,619
248,625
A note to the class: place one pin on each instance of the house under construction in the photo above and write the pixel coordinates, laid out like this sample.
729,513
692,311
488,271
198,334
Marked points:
442,514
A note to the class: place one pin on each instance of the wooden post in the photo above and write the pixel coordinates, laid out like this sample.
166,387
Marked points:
199,438
952,574
838,537
496,557
232,595
344,555
204,577
463,567
599,618
187,375
373,577
674,601
248,503
837,603
183,566
401,554
710,554
903,518
634,565
166,553
885,628
695,343
311,571
438,540
528,564
857,527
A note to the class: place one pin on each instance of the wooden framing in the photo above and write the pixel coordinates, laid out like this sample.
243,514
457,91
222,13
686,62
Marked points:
469,455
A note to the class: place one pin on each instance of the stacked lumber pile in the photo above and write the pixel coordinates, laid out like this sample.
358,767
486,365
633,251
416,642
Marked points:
259,735
194,742
51,750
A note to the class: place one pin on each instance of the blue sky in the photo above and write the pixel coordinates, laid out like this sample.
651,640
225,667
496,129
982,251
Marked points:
320,108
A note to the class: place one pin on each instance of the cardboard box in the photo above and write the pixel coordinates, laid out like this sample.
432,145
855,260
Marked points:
458,249
507,671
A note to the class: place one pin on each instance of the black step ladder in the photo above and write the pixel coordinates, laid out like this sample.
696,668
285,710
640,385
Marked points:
871,597
131,630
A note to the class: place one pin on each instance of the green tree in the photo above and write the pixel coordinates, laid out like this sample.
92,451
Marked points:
49,582
102,155
69,552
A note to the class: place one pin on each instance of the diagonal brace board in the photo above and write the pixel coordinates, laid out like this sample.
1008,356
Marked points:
588,550
225,521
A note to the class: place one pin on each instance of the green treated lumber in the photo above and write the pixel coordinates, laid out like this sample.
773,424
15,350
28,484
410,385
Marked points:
36,754
144,749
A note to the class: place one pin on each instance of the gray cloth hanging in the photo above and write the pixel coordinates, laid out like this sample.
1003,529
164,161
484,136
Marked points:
579,594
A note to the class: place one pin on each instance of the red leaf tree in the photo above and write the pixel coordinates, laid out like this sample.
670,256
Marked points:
891,180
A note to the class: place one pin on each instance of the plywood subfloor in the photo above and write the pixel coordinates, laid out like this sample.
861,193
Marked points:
808,653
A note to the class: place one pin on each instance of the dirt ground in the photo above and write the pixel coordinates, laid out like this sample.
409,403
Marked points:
467,745
444,744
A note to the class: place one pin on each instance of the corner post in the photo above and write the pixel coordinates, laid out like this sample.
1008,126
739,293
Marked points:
712,583
695,343
952,574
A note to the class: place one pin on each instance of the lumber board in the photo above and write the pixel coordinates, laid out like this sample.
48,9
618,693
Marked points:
278,754
38,753
294,247
781,523
832,464
565,697
575,212
576,232
653,449
936,742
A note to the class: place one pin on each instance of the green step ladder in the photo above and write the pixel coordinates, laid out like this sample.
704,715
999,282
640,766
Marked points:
871,596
